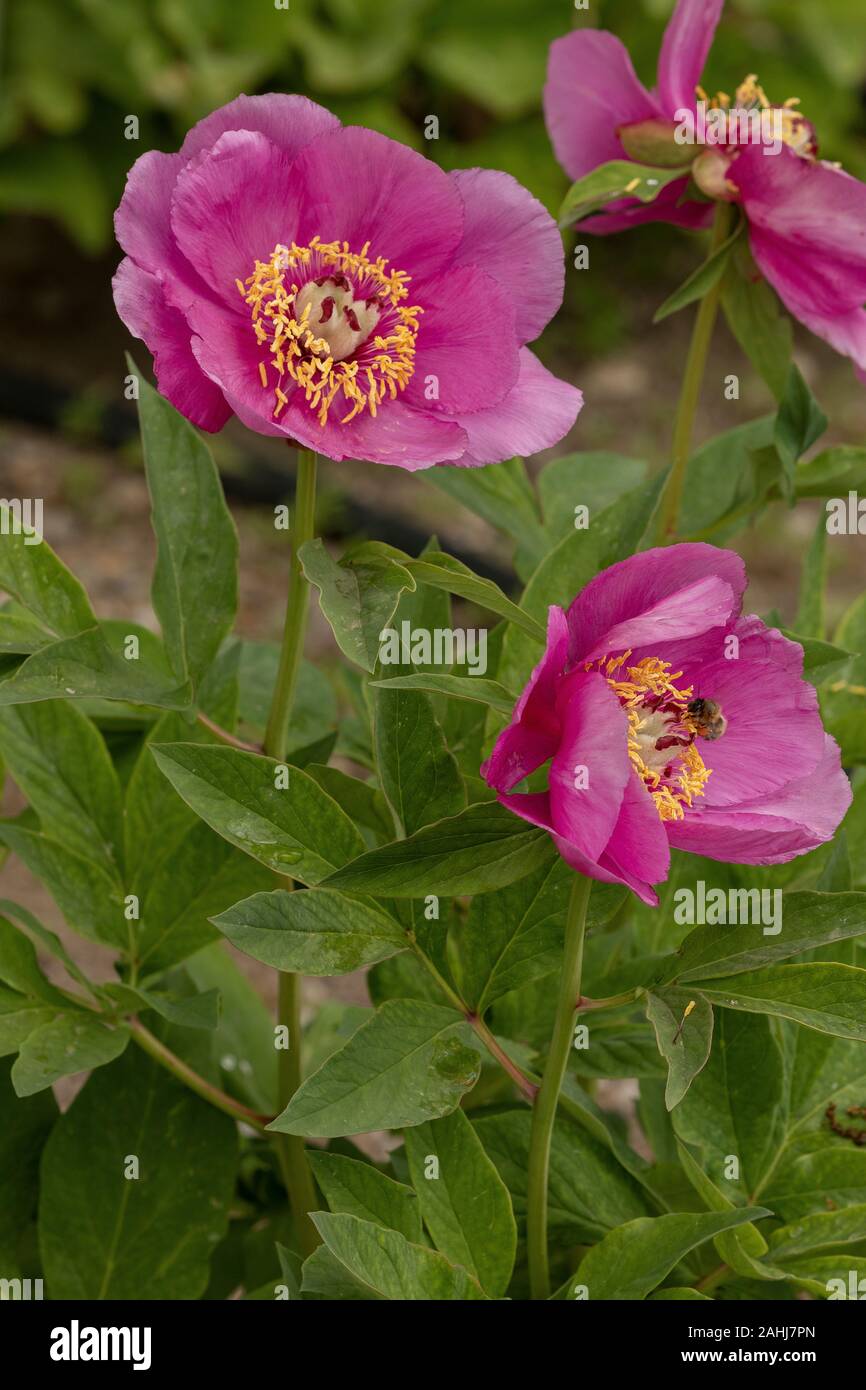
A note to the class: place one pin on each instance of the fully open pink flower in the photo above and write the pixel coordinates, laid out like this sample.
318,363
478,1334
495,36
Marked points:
807,218
670,720
334,287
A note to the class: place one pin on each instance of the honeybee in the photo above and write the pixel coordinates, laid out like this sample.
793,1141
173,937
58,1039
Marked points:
707,717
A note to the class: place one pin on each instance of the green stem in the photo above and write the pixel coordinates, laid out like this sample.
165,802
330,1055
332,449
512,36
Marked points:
166,1058
696,361
544,1109
290,1147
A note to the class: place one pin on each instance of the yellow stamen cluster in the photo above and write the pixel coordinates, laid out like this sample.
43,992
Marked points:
796,130
383,366
653,677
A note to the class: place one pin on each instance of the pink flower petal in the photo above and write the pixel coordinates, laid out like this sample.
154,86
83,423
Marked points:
638,849
231,207
807,229
141,305
467,345
358,186
537,413
513,237
620,596
775,828
290,122
684,50
532,736
591,90
593,743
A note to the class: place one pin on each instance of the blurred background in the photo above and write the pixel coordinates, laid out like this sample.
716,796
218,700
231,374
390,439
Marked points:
74,70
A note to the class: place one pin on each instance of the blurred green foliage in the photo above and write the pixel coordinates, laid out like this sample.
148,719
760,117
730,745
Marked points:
74,69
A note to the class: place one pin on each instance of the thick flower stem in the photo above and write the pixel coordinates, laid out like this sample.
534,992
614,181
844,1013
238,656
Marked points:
690,391
290,1147
544,1109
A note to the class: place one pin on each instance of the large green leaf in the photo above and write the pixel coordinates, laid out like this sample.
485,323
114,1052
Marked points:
417,772
514,935
194,589
474,688
357,594
20,969
313,932
825,1230
684,1039
361,1189
733,1115
296,829
634,1259
590,1191
35,578
502,494
108,1235
595,479
92,665
822,995
464,1202
70,1043
808,920
390,1265
757,319
59,760
621,178
90,899
410,1063
484,847
443,571
244,1037
24,1128
800,422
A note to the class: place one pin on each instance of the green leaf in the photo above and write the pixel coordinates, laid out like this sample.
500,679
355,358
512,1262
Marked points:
92,666
810,619
390,1265
90,900
825,1230
442,571
826,996
194,590
19,635
296,829
809,920
475,688
484,847
114,1248
618,179
187,1011
833,473
634,1259
24,1129
757,320
503,496
743,1249
313,932
358,595
68,1044
408,1064
46,938
59,760
702,280
736,1106
800,422
830,1276
418,774
464,1202
326,1280
684,1040
820,659
362,802
590,1191
515,935
19,968
595,479
35,578
360,1189
244,1037
19,1017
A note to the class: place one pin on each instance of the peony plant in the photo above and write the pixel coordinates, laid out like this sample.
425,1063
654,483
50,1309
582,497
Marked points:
601,844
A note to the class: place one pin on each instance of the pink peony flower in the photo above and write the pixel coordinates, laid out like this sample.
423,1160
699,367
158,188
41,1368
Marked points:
334,287
807,218
670,720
